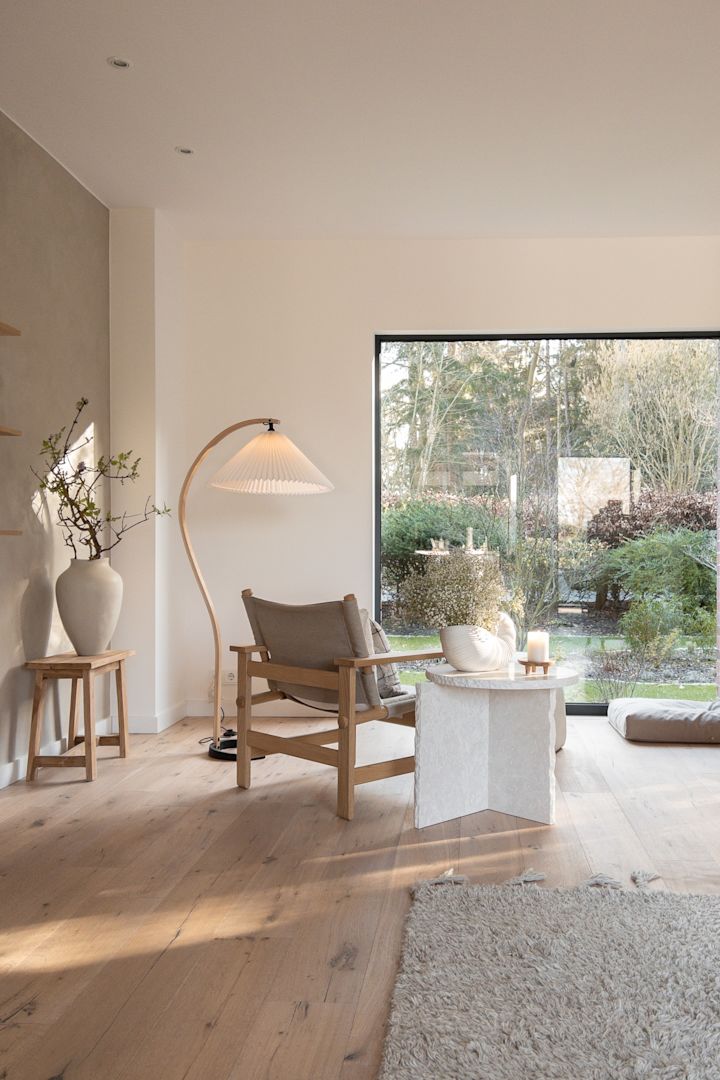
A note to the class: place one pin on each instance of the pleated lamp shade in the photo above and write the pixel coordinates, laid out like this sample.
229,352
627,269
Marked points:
271,464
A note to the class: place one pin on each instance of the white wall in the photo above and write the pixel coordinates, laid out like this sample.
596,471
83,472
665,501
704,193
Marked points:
146,347
287,327
132,427
170,460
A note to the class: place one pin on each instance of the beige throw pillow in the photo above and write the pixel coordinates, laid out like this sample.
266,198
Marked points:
388,679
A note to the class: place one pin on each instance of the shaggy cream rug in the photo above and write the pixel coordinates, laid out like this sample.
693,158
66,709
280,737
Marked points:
528,983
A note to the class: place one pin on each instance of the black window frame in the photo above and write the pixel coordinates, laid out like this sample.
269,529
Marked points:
574,708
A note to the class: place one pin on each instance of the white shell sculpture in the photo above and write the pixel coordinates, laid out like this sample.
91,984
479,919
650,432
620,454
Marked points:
472,648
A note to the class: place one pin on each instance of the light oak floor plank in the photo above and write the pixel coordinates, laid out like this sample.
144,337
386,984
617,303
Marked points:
161,923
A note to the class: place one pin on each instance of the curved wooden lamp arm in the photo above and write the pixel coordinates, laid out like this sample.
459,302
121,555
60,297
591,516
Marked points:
182,518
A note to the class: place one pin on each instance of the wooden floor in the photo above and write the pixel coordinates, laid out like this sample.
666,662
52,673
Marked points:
160,924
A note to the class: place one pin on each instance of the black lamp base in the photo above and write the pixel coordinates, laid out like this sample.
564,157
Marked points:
226,748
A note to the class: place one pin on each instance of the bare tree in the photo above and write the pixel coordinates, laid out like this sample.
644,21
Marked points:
655,403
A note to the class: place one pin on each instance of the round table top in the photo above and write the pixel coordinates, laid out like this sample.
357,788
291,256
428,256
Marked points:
509,678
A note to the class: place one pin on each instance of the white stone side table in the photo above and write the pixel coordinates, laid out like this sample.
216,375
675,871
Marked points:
486,741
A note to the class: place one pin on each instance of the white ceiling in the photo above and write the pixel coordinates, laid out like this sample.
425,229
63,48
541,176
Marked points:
443,117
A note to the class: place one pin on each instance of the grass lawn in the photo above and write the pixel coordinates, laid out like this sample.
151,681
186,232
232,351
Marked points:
413,642
562,642
584,691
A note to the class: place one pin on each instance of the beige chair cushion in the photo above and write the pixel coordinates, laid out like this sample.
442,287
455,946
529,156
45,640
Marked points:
665,720
312,636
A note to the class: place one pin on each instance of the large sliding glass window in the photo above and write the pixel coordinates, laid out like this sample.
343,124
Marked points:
586,468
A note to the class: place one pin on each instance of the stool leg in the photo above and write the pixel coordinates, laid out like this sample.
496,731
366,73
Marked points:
36,725
72,726
89,717
123,740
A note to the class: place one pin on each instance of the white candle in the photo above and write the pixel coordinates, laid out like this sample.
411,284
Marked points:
538,646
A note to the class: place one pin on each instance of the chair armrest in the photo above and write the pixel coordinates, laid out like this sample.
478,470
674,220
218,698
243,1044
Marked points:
248,649
284,673
386,658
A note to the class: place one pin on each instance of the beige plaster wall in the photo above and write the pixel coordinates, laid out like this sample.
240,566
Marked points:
54,287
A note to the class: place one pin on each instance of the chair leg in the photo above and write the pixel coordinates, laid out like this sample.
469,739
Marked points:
244,720
346,745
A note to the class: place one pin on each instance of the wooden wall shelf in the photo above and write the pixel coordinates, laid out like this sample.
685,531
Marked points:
8,331
9,430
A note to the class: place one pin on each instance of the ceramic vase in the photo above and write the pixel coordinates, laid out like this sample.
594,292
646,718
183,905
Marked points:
89,597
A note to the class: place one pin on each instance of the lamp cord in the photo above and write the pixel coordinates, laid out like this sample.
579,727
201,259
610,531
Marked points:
225,732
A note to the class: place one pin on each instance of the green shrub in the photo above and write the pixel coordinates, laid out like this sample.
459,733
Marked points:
651,627
700,625
673,563
581,562
455,590
410,524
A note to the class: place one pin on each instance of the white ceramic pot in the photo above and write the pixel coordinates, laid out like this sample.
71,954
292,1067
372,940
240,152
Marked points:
472,648
89,598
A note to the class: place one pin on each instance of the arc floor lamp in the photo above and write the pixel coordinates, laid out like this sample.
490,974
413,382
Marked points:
270,464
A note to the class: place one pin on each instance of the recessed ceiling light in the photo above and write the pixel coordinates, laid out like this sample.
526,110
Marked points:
119,62
186,150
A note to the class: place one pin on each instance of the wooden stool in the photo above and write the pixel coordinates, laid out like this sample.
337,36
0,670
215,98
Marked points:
71,666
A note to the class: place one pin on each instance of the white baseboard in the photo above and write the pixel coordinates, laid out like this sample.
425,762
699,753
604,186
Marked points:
15,770
171,715
154,724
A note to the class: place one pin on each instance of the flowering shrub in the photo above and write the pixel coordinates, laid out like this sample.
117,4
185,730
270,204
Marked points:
455,590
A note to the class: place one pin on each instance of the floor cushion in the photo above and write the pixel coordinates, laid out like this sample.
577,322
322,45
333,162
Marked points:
666,720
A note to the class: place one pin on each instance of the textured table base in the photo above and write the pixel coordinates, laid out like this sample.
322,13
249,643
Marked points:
484,750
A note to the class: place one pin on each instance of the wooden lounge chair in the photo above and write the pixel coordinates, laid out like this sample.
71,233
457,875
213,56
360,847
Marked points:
319,655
